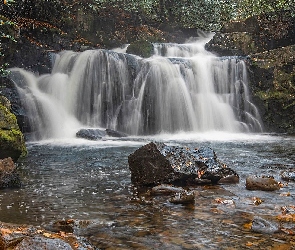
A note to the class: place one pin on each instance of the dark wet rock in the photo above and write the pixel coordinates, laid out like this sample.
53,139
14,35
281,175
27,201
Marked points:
288,175
114,133
9,178
183,197
38,242
91,134
260,225
24,237
157,163
262,183
166,189
66,226
230,179
98,134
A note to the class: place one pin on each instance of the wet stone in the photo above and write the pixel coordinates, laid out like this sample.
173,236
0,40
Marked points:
91,134
183,197
9,178
37,243
262,183
288,175
260,225
166,189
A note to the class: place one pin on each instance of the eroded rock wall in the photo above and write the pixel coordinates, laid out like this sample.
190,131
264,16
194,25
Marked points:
268,41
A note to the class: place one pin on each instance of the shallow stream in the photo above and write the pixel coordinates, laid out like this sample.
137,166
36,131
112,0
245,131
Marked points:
84,180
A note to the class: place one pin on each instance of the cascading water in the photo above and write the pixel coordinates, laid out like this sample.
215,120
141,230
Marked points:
180,88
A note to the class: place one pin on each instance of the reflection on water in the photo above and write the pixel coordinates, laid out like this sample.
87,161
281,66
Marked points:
91,181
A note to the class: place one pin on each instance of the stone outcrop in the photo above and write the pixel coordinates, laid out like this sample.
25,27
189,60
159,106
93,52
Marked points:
268,42
12,142
157,163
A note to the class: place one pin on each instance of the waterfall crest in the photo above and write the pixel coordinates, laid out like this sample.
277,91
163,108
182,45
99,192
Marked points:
182,88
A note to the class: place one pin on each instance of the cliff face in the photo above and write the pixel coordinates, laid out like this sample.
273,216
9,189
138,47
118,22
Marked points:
269,43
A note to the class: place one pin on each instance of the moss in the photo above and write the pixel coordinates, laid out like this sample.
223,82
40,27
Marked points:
12,141
7,119
265,95
141,48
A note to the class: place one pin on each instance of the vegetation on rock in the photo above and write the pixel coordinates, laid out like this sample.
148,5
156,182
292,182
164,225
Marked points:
141,48
12,142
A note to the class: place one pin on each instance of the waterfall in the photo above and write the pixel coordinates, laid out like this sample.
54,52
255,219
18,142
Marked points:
181,88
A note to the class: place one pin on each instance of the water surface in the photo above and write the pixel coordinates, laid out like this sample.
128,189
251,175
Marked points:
84,180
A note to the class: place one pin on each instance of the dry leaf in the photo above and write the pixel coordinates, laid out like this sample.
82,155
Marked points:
285,194
47,235
286,217
288,231
248,226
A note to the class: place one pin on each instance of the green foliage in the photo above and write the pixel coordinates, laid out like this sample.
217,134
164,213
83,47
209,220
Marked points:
141,48
5,25
202,14
247,8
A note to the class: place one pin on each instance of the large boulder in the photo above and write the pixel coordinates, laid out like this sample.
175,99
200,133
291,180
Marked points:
12,143
158,163
9,178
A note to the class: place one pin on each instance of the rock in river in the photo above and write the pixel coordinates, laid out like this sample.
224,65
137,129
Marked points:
260,225
288,175
8,176
158,163
262,183
95,134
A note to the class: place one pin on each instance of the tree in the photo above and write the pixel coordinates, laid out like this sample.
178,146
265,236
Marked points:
6,36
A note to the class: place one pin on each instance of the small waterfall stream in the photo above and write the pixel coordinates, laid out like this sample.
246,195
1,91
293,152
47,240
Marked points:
182,88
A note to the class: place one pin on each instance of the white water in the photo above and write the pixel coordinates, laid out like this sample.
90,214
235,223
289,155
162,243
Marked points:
182,88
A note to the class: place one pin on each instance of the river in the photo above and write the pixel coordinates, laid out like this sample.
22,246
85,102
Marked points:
90,181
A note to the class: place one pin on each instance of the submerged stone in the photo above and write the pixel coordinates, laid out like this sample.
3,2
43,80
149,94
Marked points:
288,176
157,163
183,197
262,183
9,178
260,225
166,189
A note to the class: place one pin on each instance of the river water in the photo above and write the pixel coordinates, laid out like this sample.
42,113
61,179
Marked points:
90,181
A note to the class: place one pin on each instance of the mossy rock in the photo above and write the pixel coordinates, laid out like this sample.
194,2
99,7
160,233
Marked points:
12,143
141,48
